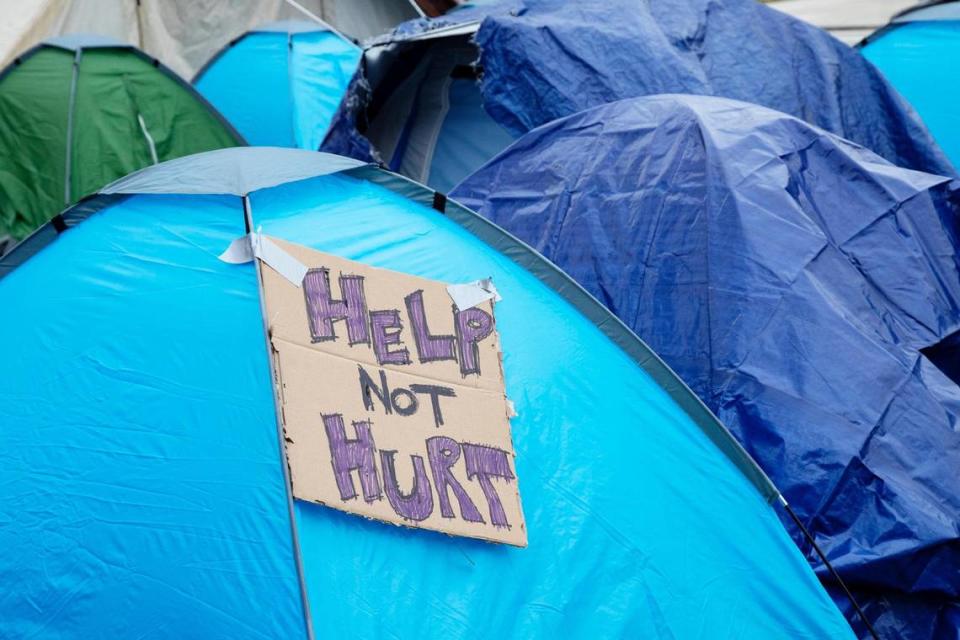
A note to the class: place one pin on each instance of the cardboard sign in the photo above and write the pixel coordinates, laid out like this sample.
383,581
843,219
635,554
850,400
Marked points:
392,399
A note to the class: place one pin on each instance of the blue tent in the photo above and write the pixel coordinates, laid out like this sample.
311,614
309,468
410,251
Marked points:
143,485
919,52
804,288
280,85
413,107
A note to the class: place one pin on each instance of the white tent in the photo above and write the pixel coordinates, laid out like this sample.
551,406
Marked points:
183,34
848,20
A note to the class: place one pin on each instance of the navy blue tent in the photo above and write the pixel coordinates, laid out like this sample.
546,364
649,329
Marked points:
807,290
415,104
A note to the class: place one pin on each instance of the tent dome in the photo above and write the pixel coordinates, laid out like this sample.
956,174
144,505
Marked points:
141,461
539,60
919,53
79,112
185,33
281,84
807,290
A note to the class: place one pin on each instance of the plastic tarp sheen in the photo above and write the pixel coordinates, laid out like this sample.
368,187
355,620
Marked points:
76,116
547,59
142,470
922,60
791,279
280,85
184,34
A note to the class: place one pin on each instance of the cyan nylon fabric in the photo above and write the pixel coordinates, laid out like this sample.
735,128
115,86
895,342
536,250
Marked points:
922,60
143,495
545,59
281,87
637,526
797,283
141,453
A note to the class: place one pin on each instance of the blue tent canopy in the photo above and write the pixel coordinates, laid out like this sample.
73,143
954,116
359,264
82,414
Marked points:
141,464
807,290
280,85
538,60
919,52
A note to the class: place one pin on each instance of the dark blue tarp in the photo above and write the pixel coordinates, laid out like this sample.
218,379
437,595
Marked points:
545,59
802,286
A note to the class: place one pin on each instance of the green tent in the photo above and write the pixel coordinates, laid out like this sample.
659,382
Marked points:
78,112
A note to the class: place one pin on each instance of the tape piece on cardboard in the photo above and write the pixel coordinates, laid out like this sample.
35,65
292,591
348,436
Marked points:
469,295
245,248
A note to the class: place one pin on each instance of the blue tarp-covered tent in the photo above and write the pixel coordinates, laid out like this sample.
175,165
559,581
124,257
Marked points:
538,60
143,481
807,290
919,52
280,84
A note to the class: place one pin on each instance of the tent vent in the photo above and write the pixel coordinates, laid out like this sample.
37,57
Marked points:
58,223
946,356
439,202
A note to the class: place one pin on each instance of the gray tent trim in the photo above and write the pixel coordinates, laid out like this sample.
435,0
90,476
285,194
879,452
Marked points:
938,10
239,171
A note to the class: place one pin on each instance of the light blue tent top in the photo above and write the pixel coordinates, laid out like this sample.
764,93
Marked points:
144,487
919,52
280,84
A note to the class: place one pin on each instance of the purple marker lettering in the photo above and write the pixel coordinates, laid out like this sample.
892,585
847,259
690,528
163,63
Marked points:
380,322
444,453
483,463
322,309
348,455
416,505
430,348
473,325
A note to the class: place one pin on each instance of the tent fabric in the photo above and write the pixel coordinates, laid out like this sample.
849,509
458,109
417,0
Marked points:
545,59
145,466
428,122
848,20
918,54
184,34
281,84
74,117
800,285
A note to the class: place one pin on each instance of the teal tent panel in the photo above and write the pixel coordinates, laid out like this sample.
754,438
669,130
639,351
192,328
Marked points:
638,526
143,492
321,66
281,88
249,84
922,60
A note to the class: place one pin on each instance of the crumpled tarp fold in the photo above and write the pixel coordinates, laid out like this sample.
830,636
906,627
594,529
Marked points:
802,286
545,59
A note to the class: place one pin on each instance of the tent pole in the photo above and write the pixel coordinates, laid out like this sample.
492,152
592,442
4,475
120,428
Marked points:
836,576
323,23
139,26
71,106
294,536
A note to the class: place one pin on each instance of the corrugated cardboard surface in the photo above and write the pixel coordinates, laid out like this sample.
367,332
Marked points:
322,378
